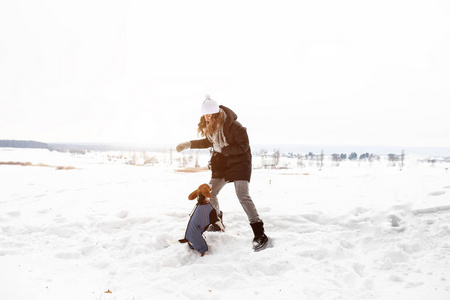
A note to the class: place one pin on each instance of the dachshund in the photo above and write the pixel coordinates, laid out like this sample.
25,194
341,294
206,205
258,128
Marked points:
203,216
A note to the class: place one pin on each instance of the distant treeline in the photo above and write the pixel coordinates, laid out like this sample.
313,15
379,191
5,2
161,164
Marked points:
54,147
23,144
75,148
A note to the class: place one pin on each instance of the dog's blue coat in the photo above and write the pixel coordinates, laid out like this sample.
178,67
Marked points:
201,218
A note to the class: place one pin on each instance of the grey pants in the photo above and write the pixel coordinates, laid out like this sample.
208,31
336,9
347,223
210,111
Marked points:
242,192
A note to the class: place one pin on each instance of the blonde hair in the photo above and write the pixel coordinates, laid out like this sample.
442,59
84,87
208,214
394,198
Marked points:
208,128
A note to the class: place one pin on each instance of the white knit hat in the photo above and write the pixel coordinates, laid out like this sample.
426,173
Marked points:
209,106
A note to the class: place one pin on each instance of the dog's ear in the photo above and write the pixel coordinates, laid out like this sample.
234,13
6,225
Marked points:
193,195
207,190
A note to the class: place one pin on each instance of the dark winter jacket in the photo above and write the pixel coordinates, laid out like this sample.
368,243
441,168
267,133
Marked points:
235,161
201,218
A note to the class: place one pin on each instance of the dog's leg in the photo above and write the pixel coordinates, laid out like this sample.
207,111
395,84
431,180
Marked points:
219,223
183,241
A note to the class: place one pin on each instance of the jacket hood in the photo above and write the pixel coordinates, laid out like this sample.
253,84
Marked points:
231,116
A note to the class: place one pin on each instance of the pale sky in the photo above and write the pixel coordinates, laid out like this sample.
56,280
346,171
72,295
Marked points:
295,72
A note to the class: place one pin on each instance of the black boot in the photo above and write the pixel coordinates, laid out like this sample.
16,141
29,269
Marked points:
260,240
215,227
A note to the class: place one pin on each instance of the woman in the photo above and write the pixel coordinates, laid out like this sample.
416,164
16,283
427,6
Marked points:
231,161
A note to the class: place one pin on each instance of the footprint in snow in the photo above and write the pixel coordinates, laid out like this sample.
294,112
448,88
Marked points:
14,213
438,193
68,255
122,215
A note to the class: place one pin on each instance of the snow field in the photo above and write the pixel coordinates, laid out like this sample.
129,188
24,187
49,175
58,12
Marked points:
356,231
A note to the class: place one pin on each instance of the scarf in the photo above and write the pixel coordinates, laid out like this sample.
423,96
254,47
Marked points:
218,137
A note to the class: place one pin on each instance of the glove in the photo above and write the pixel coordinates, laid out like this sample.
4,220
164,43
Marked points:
183,146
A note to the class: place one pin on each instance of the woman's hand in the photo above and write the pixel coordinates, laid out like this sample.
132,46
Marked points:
183,146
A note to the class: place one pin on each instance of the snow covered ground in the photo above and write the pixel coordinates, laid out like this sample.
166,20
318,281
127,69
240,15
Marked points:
109,230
